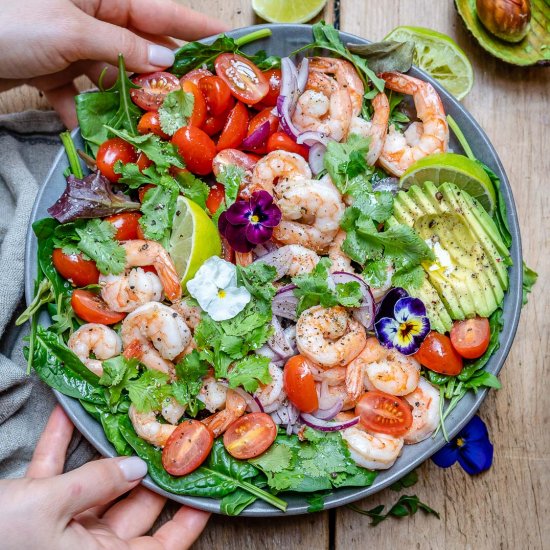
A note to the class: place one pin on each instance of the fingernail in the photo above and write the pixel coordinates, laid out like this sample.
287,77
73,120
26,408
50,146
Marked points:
133,468
160,56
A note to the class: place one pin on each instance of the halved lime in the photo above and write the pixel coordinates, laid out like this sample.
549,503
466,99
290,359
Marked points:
440,56
194,239
458,169
287,11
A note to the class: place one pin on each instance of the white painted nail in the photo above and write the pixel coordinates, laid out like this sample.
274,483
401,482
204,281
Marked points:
133,468
160,56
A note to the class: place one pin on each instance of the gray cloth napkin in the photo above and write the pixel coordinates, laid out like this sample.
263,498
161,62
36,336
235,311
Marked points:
29,142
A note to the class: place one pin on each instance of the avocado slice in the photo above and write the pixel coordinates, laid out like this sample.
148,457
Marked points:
470,274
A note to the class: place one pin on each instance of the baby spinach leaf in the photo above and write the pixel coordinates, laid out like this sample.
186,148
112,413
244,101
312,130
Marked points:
234,503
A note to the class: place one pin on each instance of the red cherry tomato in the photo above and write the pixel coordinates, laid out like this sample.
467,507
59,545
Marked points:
217,94
195,75
110,152
154,87
214,124
250,435
143,161
75,268
196,149
143,189
247,83
274,79
92,309
471,337
187,448
437,353
279,141
198,116
299,384
126,225
265,115
149,123
215,197
235,128
384,413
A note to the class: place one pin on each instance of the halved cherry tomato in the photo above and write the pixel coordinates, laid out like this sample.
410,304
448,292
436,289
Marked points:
75,268
228,157
265,115
437,353
187,448
247,83
299,384
143,189
126,225
235,128
471,337
198,116
196,148
217,94
250,435
274,79
195,75
93,309
384,413
149,123
110,152
154,88
215,197
279,141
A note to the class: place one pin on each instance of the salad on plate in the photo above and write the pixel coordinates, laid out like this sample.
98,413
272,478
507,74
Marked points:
275,274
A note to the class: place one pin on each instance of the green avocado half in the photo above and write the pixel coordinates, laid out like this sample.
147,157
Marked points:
470,273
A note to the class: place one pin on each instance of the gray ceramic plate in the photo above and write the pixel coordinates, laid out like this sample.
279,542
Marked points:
284,40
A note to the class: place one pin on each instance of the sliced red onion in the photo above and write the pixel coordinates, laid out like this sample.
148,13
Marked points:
366,311
327,426
310,138
257,137
285,109
278,342
284,303
265,248
316,158
289,77
326,400
329,414
290,335
387,184
303,73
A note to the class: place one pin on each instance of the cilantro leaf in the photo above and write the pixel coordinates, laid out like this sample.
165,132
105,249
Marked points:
376,272
249,371
175,111
117,372
276,459
133,177
149,390
231,177
258,278
193,188
190,371
158,207
409,276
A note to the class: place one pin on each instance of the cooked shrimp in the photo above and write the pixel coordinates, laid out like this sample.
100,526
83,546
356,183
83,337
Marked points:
311,212
340,261
387,370
375,129
149,428
243,258
172,410
279,166
272,395
425,410
398,153
129,291
212,394
374,451
156,335
235,406
100,340
329,336
190,314
292,260
346,77
140,253
332,387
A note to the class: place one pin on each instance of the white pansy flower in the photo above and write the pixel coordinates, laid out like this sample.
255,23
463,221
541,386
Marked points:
214,286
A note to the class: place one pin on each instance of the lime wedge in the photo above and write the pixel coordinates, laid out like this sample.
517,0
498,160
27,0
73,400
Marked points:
194,239
452,168
440,57
287,11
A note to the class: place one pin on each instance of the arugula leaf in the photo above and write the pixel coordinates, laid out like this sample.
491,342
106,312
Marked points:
529,279
175,111
149,390
248,372
190,371
158,208
316,288
258,279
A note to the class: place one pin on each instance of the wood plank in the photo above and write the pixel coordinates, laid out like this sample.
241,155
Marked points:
507,506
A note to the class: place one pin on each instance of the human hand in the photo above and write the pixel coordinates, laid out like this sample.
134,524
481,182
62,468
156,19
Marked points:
48,43
48,509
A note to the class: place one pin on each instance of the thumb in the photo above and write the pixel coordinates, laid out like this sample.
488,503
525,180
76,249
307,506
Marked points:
95,483
102,41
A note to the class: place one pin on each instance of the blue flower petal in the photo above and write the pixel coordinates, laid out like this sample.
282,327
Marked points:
409,308
446,456
386,331
475,430
476,457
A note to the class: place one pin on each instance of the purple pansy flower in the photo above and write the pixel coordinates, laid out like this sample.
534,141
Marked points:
471,447
401,322
247,223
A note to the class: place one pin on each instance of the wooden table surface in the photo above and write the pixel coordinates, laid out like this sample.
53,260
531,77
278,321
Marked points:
508,506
